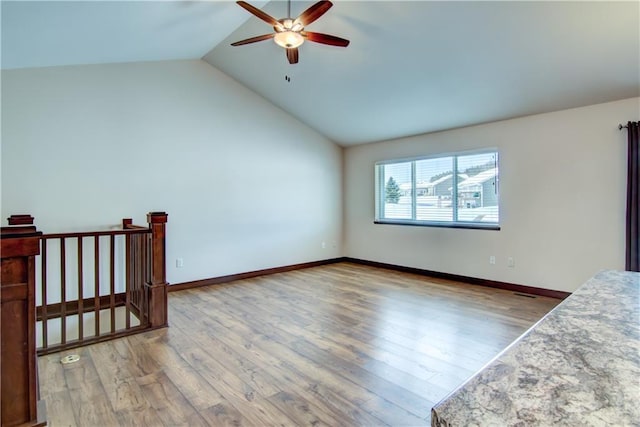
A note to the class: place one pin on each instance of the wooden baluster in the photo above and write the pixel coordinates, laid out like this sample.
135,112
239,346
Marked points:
143,278
157,286
139,279
96,284
80,291
43,316
145,275
63,291
127,285
112,283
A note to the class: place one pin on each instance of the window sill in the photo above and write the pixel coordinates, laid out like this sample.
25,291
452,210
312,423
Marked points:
464,225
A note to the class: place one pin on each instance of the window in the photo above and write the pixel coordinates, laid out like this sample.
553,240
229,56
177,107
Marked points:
425,191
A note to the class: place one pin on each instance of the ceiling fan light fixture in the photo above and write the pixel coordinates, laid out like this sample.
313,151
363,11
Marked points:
288,39
290,33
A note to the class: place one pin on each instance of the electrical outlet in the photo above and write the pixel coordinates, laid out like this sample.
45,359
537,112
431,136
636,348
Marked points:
324,245
511,262
179,262
492,260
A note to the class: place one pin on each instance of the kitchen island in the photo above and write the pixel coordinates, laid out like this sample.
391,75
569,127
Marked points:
579,365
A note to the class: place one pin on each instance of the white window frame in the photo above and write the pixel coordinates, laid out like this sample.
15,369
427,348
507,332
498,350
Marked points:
380,184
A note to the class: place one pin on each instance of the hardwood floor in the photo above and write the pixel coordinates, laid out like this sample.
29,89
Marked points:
337,345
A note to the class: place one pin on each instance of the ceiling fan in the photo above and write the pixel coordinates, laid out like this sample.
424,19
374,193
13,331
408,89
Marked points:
290,33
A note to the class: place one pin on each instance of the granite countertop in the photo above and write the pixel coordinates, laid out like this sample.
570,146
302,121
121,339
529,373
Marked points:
578,366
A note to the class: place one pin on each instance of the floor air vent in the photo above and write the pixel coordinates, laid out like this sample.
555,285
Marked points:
524,295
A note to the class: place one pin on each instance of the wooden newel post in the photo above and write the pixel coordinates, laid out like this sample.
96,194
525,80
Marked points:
157,286
18,386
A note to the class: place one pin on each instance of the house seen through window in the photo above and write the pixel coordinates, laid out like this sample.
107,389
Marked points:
450,190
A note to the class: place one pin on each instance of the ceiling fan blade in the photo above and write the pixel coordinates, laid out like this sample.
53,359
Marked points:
260,14
292,55
325,39
254,39
314,12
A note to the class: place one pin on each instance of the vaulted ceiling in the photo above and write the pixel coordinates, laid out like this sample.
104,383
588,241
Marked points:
412,66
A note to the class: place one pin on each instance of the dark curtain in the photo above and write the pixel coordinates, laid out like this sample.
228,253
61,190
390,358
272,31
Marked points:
633,184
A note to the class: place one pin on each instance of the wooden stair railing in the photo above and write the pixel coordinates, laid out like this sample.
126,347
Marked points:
146,263
144,296
18,367
121,271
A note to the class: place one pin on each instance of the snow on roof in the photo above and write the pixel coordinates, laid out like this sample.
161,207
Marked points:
446,177
479,178
422,184
419,184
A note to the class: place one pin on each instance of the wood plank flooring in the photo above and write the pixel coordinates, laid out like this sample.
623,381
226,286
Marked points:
336,345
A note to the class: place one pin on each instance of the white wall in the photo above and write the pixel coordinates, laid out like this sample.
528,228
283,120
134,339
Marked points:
248,187
562,190
245,185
